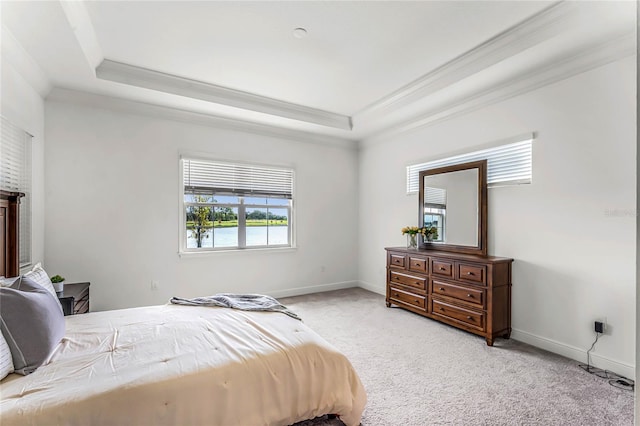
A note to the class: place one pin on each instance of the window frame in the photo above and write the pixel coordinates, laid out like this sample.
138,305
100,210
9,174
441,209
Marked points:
441,213
242,209
21,156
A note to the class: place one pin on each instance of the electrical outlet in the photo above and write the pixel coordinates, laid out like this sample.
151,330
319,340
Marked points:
598,326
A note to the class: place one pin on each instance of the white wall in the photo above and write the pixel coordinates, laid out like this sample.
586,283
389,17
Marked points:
23,106
112,182
571,232
637,393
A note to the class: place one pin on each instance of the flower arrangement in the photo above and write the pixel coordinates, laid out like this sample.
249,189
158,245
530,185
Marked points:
411,230
429,233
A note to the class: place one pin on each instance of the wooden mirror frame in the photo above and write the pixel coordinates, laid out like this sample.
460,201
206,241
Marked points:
481,248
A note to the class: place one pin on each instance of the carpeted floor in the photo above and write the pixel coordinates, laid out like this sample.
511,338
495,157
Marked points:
420,372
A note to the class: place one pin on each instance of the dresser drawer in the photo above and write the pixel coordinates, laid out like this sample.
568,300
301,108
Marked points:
472,273
418,264
408,298
475,296
409,280
468,317
397,261
442,267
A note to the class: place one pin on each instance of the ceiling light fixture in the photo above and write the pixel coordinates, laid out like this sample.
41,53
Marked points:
299,33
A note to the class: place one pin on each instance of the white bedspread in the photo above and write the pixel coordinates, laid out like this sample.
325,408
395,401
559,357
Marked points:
185,365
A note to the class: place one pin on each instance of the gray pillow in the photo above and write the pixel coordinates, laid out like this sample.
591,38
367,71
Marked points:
32,323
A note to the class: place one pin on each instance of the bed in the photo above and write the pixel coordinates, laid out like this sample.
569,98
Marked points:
185,365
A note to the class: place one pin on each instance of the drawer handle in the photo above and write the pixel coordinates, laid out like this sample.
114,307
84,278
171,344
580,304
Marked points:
470,295
396,294
469,317
416,282
441,289
442,268
416,301
470,273
441,308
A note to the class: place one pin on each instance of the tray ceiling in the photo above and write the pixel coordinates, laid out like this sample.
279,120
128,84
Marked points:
363,67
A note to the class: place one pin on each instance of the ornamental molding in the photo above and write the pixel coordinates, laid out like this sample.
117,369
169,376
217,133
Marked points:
170,113
168,83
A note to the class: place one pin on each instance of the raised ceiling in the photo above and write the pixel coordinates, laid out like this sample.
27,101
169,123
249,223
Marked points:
363,68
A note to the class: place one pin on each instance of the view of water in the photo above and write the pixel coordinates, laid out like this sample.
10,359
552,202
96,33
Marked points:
228,237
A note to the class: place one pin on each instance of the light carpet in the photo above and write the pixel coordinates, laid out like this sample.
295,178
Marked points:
420,372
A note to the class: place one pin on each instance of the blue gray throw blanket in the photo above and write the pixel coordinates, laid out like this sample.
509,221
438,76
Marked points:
245,302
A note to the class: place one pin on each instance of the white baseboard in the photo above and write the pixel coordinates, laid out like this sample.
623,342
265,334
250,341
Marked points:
579,354
372,288
299,291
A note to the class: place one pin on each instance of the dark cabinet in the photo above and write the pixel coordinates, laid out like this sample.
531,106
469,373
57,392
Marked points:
74,298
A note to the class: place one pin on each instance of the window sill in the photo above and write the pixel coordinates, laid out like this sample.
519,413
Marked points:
187,254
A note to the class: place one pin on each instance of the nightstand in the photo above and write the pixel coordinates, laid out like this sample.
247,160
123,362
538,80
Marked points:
74,298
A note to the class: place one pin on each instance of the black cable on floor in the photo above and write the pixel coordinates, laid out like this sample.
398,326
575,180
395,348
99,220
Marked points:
615,380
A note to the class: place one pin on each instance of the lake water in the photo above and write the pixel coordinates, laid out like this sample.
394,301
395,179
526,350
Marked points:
228,237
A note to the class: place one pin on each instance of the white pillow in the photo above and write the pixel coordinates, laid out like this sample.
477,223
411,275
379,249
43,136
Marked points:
39,275
7,282
6,361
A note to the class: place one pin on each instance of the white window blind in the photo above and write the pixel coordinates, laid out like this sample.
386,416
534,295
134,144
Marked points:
435,196
207,176
15,176
506,164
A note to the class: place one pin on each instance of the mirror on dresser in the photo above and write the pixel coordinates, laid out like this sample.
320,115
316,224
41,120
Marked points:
453,199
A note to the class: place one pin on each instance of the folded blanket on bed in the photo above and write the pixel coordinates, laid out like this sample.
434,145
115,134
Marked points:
246,302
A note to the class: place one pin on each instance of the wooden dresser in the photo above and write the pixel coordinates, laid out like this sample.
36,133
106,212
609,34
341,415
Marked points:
470,292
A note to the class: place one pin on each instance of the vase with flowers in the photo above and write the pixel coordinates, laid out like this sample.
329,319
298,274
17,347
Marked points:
412,236
429,233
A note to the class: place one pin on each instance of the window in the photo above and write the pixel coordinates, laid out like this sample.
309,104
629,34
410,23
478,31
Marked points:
15,176
235,206
507,164
435,210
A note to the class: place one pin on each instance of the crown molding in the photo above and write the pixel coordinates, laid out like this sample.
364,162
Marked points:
595,56
157,111
14,54
536,29
80,23
155,80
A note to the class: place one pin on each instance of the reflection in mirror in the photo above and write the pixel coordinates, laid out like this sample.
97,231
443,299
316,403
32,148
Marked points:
453,201
435,211
451,206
